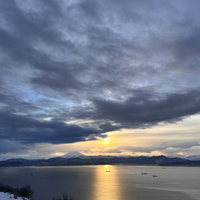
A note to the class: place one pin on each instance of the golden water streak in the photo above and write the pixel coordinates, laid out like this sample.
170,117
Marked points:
106,184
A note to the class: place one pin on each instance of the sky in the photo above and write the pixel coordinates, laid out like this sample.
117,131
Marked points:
103,77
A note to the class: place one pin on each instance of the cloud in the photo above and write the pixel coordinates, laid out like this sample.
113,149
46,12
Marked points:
165,147
9,147
28,130
92,67
144,109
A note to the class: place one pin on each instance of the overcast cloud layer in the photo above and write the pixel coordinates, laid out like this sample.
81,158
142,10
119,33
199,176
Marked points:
74,70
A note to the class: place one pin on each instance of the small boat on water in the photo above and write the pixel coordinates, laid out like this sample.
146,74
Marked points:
144,173
107,171
155,176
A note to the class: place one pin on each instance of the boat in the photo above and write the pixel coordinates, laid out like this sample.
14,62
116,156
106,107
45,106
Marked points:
144,173
107,171
155,176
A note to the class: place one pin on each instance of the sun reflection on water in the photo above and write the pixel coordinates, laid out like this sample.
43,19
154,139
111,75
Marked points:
107,185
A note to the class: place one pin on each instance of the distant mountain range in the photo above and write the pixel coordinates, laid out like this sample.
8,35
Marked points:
193,157
80,159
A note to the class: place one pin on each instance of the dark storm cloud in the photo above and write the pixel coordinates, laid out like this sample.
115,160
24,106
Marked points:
144,109
16,38
27,130
72,71
19,123
12,103
188,46
8,146
17,44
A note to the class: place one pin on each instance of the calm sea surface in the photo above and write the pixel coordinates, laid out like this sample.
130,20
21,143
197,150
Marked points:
94,183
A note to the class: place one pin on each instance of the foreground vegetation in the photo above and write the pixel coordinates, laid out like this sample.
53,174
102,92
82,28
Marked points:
26,192
63,197
20,192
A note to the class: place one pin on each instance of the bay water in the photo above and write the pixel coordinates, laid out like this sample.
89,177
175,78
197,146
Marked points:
107,182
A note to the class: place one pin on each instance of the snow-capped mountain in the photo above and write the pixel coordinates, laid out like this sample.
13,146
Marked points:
73,154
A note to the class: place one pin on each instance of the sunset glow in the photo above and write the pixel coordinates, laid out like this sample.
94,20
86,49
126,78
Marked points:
106,139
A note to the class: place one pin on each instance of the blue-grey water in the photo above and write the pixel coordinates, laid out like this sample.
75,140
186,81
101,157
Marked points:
94,183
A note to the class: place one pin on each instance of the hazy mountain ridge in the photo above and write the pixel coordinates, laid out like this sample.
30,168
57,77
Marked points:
183,163
193,157
99,160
